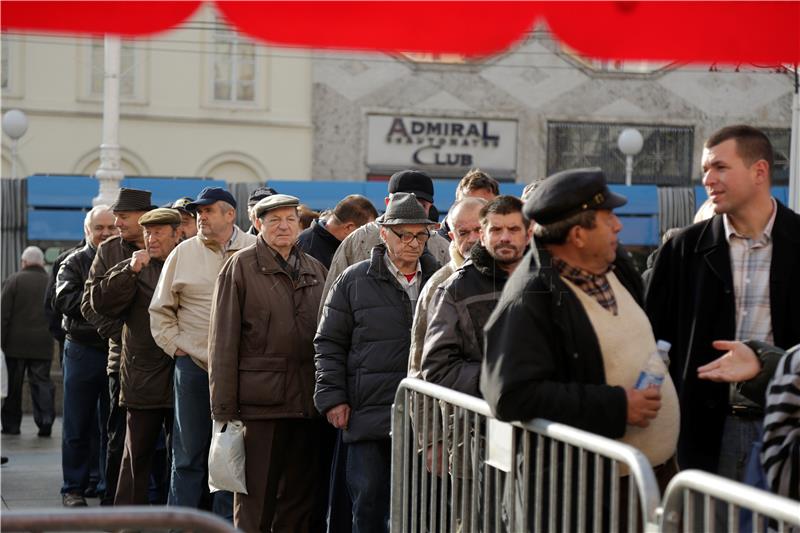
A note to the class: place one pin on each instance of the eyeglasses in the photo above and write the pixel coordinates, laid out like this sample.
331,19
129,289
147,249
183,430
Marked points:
406,238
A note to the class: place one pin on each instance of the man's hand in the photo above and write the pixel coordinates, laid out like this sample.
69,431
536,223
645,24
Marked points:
139,260
739,363
643,405
339,416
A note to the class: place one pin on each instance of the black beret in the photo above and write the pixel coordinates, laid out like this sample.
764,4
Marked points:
569,192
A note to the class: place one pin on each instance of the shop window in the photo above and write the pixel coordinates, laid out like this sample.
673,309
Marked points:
665,159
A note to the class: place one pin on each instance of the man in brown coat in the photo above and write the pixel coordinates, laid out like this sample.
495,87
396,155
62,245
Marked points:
261,369
145,370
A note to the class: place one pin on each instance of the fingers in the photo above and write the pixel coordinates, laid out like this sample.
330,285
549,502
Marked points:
725,346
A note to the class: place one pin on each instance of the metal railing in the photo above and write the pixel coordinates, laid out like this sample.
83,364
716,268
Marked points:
699,501
492,476
114,519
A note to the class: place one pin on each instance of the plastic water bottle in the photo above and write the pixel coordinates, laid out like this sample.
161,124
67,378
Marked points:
653,373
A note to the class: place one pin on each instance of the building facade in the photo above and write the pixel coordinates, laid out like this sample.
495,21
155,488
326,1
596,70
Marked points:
200,100
532,111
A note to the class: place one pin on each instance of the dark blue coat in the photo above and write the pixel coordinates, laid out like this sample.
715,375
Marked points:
362,344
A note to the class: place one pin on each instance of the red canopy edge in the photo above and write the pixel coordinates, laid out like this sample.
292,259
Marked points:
728,32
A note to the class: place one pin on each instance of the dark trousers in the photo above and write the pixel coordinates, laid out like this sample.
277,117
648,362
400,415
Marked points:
143,431
42,393
285,453
116,437
340,508
85,392
369,466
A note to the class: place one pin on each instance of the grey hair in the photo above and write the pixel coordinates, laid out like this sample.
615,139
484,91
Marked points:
33,255
460,205
557,232
87,221
225,207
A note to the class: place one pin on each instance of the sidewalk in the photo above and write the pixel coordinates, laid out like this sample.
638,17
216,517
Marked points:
32,476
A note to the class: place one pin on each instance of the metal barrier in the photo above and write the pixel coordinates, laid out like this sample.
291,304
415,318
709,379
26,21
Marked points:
538,476
699,501
114,519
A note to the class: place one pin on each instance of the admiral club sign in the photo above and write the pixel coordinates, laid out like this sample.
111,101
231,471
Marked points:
410,141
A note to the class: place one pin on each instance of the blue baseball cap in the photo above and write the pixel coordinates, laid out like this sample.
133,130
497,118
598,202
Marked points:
211,195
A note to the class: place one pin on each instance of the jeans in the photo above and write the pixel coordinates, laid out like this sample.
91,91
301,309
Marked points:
42,393
85,391
191,439
368,480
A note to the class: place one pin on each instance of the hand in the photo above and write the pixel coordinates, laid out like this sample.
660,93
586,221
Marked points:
739,363
339,416
180,353
139,260
643,405
441,459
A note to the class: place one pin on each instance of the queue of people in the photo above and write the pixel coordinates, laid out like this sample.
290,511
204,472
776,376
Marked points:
174,317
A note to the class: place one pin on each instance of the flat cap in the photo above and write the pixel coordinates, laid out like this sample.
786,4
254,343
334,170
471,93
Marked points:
413,181
162,215
569,192
181,203
274,202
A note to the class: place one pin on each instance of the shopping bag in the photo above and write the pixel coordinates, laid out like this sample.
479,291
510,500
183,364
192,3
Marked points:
226,458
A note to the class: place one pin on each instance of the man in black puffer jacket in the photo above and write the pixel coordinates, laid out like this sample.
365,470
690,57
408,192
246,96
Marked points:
362,347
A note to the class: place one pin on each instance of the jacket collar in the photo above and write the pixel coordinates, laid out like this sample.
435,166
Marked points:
238,241
483,261
378,269
265,259
319,229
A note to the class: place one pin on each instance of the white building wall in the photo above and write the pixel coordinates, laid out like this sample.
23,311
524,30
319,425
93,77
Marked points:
172,126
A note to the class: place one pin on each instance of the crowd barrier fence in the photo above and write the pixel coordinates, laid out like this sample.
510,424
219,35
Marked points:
456,468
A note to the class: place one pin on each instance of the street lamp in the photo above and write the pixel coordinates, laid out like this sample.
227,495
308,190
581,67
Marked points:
15,124
630,143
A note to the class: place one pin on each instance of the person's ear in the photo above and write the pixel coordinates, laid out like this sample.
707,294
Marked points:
761,171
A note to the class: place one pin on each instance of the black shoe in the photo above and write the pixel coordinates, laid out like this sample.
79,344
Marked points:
3,460
45,431
90,492
73,499
10,431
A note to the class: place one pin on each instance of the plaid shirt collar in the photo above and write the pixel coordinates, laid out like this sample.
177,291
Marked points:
595,285
766,235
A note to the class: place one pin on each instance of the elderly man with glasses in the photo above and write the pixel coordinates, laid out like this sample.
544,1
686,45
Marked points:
362,347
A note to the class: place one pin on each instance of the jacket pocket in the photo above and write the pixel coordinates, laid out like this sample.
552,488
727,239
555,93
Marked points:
262,380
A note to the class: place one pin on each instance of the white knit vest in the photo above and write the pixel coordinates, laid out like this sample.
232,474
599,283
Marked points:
626,341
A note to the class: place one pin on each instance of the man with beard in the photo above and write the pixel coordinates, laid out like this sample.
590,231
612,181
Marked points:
453,348
145,370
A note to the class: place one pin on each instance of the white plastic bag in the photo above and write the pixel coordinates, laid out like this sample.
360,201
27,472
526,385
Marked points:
226,458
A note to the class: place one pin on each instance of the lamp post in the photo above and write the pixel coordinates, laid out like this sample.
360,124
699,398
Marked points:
110,174
630,143
15,124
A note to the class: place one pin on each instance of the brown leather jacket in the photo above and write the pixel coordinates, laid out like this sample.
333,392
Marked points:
145,370
261,351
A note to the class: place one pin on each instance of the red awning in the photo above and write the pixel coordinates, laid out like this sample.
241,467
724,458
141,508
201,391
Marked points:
723,32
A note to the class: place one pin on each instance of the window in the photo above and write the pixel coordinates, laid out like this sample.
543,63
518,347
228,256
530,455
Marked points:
234,66
665,159
127,69
781,146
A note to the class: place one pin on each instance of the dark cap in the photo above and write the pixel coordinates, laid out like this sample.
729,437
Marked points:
133,200
413,181
274,201
162,215
569,192
403,208
211,195
181,203
260,194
